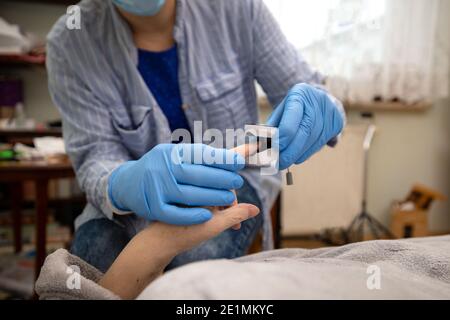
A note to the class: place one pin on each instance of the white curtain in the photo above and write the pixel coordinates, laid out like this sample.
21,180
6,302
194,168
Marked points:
386,50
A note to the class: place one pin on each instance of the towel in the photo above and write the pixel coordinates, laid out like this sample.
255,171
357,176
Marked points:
395,269
67,277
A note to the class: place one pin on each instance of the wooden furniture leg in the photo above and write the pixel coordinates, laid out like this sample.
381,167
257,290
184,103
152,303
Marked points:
275,214
41,223
16,189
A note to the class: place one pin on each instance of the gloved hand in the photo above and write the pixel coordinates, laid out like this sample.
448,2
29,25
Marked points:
307,120
171,175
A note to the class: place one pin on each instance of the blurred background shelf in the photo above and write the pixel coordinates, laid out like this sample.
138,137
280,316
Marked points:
64,2
388,106
44,132
368,107
21,60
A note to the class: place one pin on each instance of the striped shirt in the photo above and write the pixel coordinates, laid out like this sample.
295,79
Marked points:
110,116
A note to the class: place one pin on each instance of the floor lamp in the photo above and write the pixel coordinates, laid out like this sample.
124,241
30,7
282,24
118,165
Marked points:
355,232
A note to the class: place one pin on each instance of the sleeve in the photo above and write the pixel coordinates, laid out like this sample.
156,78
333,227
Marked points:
91,141
278,65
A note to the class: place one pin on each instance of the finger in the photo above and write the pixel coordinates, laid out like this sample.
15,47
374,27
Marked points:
197,196
247,149
202,154
333,126
275,117
207,177
290,120
338,122
223,159
307,134
235,203
293,151
225,219
172,214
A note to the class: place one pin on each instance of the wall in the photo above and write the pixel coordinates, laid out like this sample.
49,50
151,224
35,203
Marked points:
410,148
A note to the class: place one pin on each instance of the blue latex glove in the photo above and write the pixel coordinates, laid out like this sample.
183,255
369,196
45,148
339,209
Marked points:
167,176
307,120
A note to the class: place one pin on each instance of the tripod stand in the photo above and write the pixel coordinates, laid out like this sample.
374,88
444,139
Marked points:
355,232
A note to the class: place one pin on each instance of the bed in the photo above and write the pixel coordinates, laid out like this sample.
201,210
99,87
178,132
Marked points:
387,269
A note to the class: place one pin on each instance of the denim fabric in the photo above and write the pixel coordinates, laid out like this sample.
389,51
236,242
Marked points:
99,241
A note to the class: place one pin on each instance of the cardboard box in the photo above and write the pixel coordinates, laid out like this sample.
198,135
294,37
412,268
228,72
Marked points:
409,224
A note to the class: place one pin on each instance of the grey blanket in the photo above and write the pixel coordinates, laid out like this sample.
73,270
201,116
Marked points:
400,269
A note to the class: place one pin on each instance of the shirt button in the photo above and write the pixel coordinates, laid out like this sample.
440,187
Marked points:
185,106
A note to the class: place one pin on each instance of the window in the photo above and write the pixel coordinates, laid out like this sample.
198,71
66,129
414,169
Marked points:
394,50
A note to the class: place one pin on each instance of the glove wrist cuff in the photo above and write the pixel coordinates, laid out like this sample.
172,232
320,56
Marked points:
114,203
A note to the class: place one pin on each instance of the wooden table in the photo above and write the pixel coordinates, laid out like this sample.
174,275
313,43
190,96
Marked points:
15,173
13,136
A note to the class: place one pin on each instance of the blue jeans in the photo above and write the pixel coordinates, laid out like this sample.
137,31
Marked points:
100,241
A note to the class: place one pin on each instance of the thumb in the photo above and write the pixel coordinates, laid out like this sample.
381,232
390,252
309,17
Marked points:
184,216
227,218
275,117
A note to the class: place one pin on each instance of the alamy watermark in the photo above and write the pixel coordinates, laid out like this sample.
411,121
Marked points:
259,142
73,281
374,279
73,20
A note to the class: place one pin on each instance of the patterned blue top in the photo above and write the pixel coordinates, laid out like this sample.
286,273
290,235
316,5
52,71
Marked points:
160,72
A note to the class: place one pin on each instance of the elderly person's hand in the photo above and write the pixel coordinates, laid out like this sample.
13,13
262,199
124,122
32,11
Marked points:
151,250
183,238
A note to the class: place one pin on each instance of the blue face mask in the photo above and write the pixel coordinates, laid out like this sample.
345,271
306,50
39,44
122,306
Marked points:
140,7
